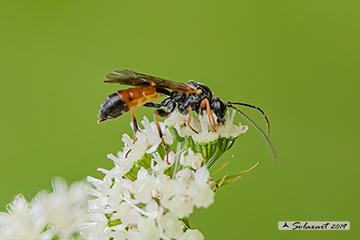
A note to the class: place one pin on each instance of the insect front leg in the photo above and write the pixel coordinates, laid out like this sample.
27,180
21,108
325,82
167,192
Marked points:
205,104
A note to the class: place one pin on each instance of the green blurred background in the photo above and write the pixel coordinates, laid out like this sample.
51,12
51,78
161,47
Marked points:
298,60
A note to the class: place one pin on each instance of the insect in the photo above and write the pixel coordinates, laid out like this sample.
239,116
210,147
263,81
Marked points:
186,98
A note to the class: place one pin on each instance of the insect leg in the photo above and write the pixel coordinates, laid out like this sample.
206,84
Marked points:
153,105
263,113
189,109
135,125
228,104
162,113
135,128
205,102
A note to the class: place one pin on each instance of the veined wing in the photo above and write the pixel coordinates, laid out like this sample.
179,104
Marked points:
128,77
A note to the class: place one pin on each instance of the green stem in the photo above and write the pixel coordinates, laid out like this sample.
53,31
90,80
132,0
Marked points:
185,220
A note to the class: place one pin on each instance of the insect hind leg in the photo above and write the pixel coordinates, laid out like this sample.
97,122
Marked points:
134,124
135,129
162,113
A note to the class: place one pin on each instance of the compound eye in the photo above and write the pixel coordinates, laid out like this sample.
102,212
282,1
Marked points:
218,107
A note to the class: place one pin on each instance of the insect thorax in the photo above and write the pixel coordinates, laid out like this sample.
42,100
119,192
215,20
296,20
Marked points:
193,100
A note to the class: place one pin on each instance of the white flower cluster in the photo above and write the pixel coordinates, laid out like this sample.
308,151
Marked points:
151,207
210,144
202,125
56,215
148,194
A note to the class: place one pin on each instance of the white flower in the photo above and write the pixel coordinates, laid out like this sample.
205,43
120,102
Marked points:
172,226
192,159
148,140
152,133
192,234
20,222
182,206
200,190
147,199
133,216
124,163
141,187
163,184
148,229
161,164
153,209
137,149
175,119
121,212
228,130
186,174
118,235
65,207
95,231
145,196
205,136
59,214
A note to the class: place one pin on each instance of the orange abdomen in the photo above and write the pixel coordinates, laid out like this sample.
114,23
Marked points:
135,97
122,101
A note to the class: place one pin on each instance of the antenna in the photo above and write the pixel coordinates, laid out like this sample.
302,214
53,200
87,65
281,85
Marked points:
229,104
257,108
